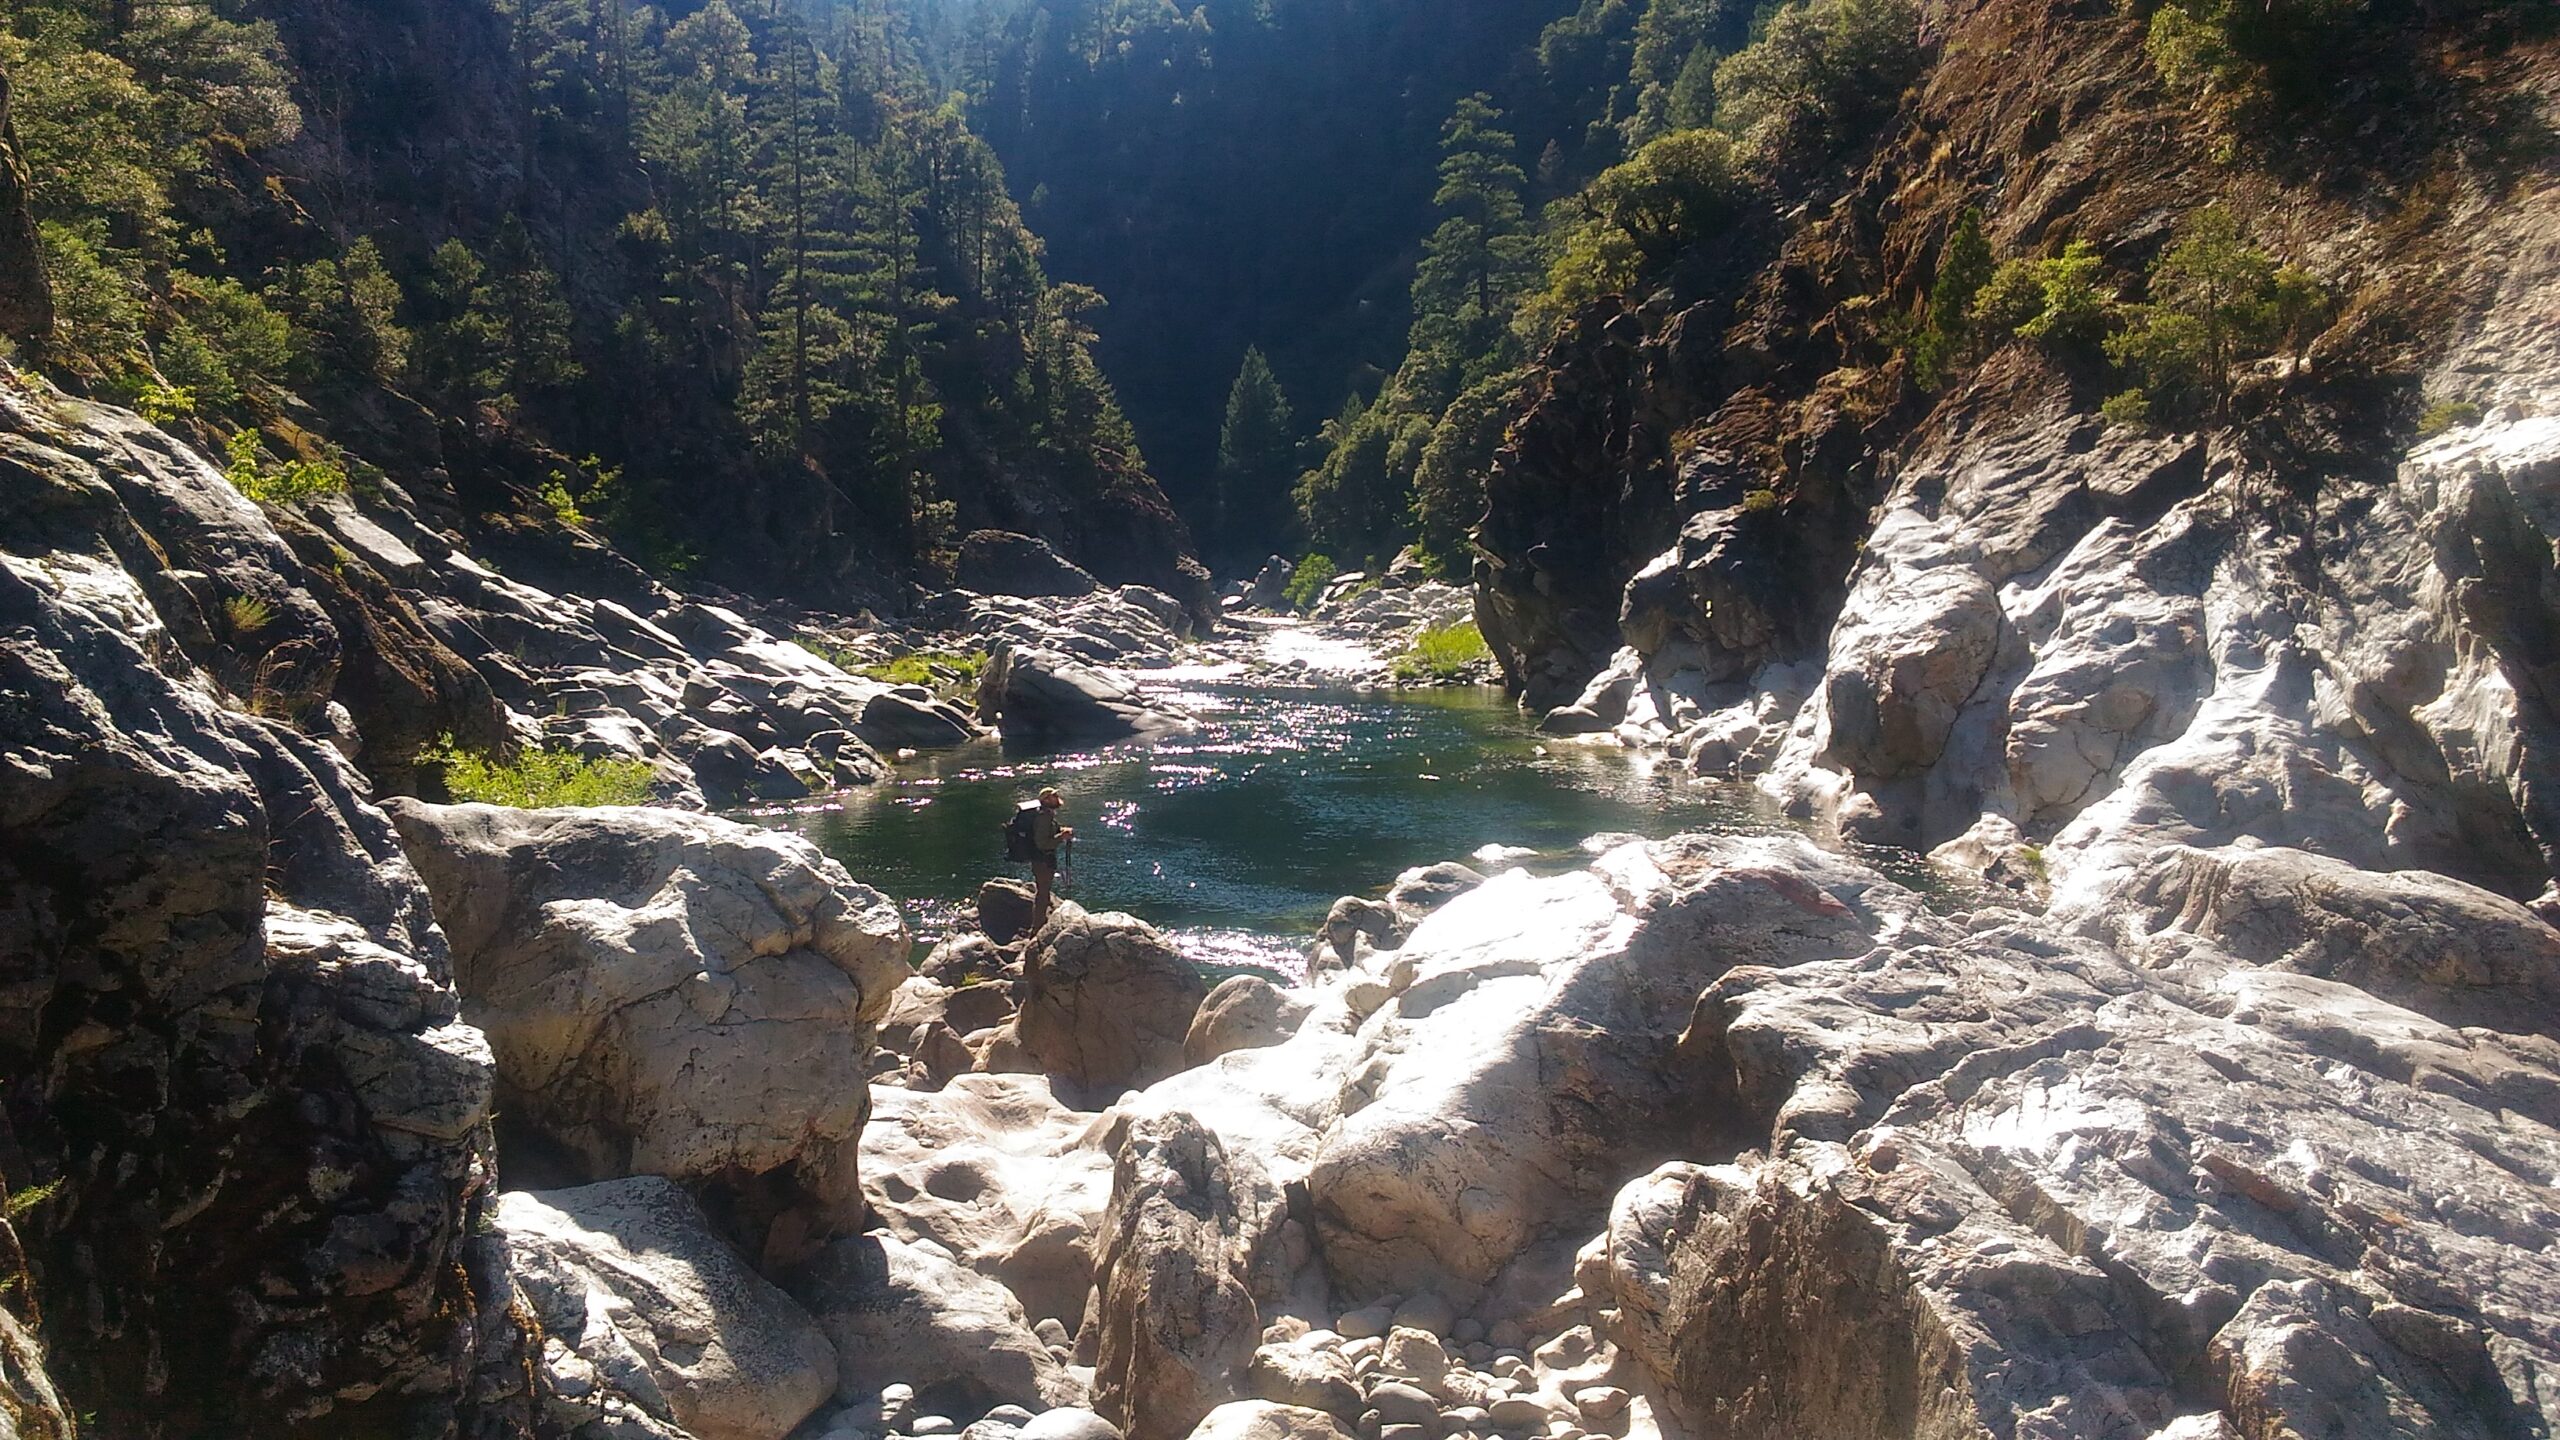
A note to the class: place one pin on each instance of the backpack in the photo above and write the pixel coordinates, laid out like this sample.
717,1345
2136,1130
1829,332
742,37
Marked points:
1018,844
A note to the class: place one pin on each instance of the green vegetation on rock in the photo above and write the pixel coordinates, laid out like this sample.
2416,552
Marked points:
1444,653
540,779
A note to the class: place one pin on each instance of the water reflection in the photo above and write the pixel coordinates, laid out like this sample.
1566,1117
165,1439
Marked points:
1240,837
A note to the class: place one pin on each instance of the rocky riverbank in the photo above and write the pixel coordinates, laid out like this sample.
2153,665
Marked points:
338,1115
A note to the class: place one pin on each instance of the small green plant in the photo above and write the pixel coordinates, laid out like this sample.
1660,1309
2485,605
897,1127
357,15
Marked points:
246,615
1759,502
2445,415
2127,407
1306,584
289,483
23,1202
562,504
2031,860
161,404
540,779
1445,652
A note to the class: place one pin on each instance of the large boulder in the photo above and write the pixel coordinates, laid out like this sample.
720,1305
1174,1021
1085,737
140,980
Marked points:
1043,697
1245,1012
1270,587
1918,648
1107,1003
1518,1066
996,1171
667,994
1193,1244
908,717
998,562
641,1299
903,1314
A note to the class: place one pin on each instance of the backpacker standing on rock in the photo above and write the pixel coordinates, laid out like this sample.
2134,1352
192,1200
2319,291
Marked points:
1034,835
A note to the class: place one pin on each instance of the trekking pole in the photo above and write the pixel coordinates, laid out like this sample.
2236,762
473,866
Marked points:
1066,863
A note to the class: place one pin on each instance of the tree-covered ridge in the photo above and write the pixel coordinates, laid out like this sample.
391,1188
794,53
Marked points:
739,257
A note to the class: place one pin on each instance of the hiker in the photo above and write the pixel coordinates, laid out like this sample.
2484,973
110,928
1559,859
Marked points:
1036,836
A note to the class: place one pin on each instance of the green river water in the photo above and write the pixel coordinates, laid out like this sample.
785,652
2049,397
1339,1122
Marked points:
1236,840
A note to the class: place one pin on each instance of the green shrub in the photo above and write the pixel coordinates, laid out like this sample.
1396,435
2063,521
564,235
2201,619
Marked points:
1964,268
161,404
2216,301
1306,584
562,504
2127,407
289,483
1759,502
1447,652
2444,415
541,779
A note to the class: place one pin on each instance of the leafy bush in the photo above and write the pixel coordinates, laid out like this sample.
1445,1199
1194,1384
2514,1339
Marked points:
562,504
2128,407
1307,582
2060,300
1671,194
2444,415
541,779
1447,652
289,483
1759,502
160,403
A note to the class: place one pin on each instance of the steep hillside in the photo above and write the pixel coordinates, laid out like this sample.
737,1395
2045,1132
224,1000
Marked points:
720,285
2299,608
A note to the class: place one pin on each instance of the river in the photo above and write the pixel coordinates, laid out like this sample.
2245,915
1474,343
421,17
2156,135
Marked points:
1237,840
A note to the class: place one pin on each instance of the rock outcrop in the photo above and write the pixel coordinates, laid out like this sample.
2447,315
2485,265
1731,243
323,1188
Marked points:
667,994
1040,697
641,1301
235,1059
993,562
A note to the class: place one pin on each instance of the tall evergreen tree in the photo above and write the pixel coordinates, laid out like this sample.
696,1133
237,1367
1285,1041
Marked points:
1257,457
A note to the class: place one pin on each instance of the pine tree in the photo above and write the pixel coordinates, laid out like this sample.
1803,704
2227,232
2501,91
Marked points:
1477,260
1962,272
1257,456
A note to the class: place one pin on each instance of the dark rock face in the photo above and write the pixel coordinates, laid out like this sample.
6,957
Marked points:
26,301
993,562
229,1028
1576,499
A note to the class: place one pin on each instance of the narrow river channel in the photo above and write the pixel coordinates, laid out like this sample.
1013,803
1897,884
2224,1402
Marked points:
1236,840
